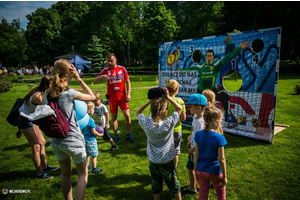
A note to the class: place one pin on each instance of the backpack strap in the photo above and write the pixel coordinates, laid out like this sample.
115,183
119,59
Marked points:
49,98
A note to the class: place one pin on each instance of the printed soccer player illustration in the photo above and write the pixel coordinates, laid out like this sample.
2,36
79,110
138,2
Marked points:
209,70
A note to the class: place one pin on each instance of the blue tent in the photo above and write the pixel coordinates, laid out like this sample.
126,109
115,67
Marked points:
80,63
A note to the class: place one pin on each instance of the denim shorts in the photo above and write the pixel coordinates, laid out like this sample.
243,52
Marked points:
24,123
106,135
190,163
63,152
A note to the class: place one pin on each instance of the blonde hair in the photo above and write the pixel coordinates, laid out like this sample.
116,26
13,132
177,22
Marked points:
90,105
212,114
158,106
62,73
210,96
97,95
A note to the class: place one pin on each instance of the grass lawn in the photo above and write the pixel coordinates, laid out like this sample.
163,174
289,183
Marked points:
256,169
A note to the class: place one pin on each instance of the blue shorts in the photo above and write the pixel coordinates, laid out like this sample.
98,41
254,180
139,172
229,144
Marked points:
106,135
24,123
177,142
63,152
190,163
91,147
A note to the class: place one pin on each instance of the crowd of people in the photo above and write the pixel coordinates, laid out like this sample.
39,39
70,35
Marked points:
42,71
163,128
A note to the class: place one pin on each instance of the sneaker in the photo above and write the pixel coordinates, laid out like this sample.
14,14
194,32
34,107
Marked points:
114,148
116,138
96,171
44,175
89,166
188,191
50,168
130,138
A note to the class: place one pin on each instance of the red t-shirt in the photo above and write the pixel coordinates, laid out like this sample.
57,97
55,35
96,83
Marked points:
117,76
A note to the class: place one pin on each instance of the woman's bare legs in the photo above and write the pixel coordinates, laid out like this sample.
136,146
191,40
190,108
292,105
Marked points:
66,171
35,148
82,172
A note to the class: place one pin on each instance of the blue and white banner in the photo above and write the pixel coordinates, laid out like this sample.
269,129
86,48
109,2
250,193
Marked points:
201,63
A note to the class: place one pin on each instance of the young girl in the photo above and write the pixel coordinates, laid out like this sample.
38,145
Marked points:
32,132
160,143
211,98
72,146
209,151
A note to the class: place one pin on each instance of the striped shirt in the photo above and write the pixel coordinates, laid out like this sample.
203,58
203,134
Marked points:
160,138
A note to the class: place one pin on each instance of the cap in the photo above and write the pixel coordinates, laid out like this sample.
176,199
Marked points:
172,85
197,99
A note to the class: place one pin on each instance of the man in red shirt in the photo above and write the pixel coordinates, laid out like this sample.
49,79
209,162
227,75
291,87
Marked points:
116,76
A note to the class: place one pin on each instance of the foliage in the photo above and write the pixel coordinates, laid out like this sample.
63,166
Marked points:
255,169
13,43
252,15
96,50
197,18
158,26
297,89
133,29
5,86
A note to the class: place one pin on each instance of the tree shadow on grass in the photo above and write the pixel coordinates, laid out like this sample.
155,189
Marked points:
20,147
135,187
236,141
126,147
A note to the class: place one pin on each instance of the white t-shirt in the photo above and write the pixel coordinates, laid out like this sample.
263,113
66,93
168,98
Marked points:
160,138
99,115
197,125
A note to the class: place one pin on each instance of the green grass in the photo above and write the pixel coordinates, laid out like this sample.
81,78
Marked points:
256,169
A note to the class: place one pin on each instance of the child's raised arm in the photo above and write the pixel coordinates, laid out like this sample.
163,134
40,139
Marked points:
142,108
222,163
177,107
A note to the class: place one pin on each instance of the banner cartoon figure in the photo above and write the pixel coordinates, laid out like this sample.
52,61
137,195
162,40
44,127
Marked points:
201,63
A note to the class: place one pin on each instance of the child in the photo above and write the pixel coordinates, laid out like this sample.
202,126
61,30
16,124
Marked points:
160,143
196,103
101,117
172,85
210,96
209,151
90,135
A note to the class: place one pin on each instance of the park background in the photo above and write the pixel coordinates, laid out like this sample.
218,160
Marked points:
133,30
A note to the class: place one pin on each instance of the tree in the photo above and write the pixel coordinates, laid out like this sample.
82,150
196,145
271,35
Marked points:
12,42
261,15
129,13
197,18
51,32
158,26
96,52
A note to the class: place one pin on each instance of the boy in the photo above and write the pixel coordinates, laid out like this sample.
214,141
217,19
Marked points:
101,118
196,104
160,143
172,85
90,134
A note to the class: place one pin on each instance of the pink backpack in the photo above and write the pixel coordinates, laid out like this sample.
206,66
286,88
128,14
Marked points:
54,126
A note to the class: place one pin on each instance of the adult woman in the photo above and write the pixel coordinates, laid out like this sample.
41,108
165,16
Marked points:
32,132
72,146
